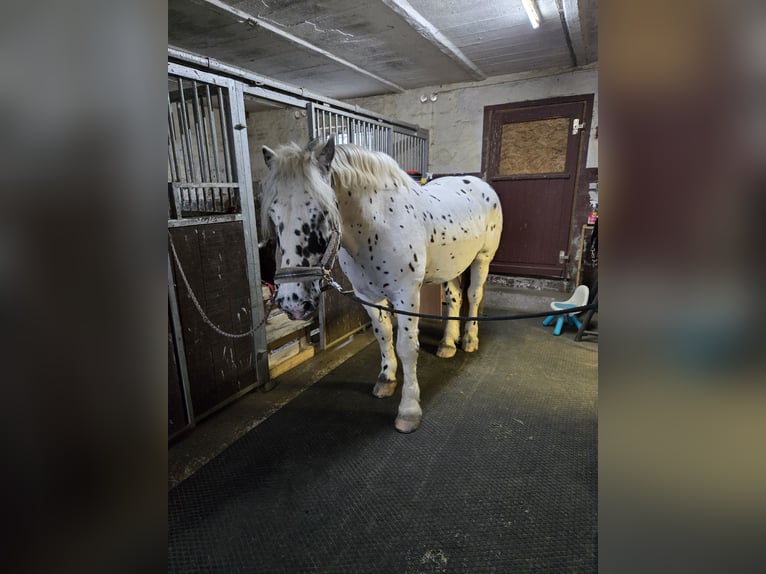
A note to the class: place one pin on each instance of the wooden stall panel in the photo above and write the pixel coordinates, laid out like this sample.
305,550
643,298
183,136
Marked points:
342,315
213,258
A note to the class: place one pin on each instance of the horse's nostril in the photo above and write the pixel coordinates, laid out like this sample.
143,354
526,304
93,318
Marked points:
308,307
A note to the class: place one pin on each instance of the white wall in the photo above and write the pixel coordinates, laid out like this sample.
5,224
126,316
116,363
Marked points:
455,120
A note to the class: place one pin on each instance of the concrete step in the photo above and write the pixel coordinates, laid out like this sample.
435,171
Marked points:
526,294
525,300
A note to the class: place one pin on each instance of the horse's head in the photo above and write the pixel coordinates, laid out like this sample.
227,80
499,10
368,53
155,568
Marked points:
299,205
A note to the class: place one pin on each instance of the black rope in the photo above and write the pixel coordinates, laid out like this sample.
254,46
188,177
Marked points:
518,316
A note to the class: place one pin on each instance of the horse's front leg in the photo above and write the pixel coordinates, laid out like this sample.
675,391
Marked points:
384,333
407,345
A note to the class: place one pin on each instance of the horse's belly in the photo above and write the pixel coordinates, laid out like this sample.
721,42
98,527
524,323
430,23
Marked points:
449,261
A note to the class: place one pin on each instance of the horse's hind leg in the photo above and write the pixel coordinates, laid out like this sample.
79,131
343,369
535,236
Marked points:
453,296
479,272
384,333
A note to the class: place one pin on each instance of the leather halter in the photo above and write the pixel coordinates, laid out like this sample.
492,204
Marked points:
321,271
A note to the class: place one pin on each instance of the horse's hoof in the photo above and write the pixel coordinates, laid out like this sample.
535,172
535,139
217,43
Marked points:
383,389
446,351
407,425
471,346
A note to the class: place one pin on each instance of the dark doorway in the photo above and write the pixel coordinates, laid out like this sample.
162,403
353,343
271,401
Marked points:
533,155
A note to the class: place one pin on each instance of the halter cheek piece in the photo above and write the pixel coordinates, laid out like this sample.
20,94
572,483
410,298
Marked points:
321,271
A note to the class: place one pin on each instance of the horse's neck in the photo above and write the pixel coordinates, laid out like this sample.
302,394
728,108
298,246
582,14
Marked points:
357,208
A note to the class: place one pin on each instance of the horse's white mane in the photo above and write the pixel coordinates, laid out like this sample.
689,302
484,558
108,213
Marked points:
361,170
353,168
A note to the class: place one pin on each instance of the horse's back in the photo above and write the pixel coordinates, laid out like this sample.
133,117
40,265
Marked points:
462,219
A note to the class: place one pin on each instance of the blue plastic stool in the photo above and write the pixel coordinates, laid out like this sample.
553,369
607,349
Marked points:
578,299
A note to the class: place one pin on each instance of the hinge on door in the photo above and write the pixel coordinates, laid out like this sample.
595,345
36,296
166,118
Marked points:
563,257
577,125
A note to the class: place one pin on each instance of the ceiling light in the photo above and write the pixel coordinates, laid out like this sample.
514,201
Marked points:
532,11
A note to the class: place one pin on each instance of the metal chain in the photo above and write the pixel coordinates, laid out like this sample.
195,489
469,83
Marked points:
204,316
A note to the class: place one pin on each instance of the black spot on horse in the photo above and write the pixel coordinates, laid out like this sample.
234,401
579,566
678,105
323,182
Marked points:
306,229
411,267
305,262
466,181
297,232
281,227
317,244
299,250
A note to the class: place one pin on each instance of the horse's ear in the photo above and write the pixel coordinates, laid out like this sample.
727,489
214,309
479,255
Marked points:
314,144
325,156
268,155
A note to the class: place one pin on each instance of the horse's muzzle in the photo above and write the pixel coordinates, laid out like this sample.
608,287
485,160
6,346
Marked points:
301,312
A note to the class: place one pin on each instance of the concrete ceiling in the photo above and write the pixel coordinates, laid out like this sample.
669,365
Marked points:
351,48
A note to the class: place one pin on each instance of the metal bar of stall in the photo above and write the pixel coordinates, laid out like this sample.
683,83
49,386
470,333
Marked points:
223,116
175,317
324,125
183,125
212,144
209,161
173,142
172,161
184,111
198,138
224,134
204,160
310,111
250,230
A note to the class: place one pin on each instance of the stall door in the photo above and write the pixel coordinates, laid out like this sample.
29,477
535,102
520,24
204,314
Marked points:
533,155
214,292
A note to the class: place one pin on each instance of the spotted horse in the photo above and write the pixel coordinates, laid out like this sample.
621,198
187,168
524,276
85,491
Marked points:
391,235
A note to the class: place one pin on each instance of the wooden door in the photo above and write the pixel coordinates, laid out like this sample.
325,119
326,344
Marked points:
533,155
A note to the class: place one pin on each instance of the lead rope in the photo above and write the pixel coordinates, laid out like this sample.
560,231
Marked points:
390,309
202,313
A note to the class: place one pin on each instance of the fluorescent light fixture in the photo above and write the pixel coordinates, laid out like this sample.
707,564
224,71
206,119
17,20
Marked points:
532,11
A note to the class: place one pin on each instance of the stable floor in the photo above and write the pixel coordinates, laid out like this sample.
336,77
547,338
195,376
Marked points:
501,476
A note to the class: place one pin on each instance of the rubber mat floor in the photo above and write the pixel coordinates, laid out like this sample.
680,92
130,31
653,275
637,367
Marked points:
501,476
